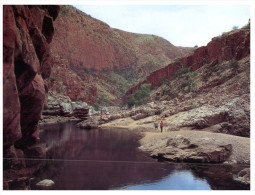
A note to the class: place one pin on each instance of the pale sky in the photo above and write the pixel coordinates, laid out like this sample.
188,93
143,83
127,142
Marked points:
182,25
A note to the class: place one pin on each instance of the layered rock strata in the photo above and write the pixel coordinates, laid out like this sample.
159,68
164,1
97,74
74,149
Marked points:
63,106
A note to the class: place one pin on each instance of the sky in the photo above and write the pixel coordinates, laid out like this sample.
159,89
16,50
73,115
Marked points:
182,25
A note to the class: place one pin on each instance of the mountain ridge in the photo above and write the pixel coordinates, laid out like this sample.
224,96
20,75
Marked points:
92,46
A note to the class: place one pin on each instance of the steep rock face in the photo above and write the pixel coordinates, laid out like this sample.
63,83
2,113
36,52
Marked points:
65,81
233,45
27,32
90,52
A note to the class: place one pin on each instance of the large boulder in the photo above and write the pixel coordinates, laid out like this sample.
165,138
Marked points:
205,150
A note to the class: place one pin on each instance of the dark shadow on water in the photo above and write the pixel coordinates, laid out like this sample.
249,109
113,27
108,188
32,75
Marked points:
109,159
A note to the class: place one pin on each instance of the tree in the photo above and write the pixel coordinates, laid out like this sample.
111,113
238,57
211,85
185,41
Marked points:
234,27
140,96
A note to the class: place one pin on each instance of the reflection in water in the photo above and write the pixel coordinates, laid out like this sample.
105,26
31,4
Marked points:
178,180
220,177
109,159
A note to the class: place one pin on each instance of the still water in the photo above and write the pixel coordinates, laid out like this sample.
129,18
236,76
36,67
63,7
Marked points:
110,160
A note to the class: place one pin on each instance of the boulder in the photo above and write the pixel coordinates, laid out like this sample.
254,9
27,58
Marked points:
66,108
88,124
205,150
243,176
80,109
45,184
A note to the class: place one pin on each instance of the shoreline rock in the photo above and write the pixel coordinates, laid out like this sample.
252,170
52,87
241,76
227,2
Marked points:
90,123
203,150
196,146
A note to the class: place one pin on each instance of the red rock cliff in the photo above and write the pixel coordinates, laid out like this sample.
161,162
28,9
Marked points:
85,47
232,45
27,32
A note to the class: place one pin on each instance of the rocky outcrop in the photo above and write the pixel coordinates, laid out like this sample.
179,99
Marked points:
205,150
91,123
243,176
233,45
27,32
63,106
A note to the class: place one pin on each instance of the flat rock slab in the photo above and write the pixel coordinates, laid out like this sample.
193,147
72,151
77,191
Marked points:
201,150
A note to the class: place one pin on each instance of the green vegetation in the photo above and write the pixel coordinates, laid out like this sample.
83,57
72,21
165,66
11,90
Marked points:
234,27
184,81
247,25
181,72
101,101
118,80
165,80
140,96
234,65
208,73
190,81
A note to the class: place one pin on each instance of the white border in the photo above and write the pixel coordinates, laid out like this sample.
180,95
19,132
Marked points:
161,2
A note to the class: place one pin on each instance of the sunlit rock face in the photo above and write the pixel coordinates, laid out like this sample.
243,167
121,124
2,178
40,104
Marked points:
232,45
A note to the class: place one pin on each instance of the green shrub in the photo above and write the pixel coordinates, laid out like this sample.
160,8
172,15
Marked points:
165,80
140,96
234,65
179,73
189,83
234,27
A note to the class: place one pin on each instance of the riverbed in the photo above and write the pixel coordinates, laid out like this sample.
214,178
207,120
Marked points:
109,159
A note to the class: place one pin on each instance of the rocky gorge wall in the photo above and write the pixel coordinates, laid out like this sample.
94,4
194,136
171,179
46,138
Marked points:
27,32
85,48
233,45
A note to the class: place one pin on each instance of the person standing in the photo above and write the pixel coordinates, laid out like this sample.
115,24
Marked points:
161,126
156,124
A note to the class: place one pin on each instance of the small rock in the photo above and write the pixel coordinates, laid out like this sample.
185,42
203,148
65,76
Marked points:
45,183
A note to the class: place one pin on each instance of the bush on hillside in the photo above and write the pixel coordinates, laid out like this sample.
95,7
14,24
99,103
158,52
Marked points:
182,71
140,96
234,65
